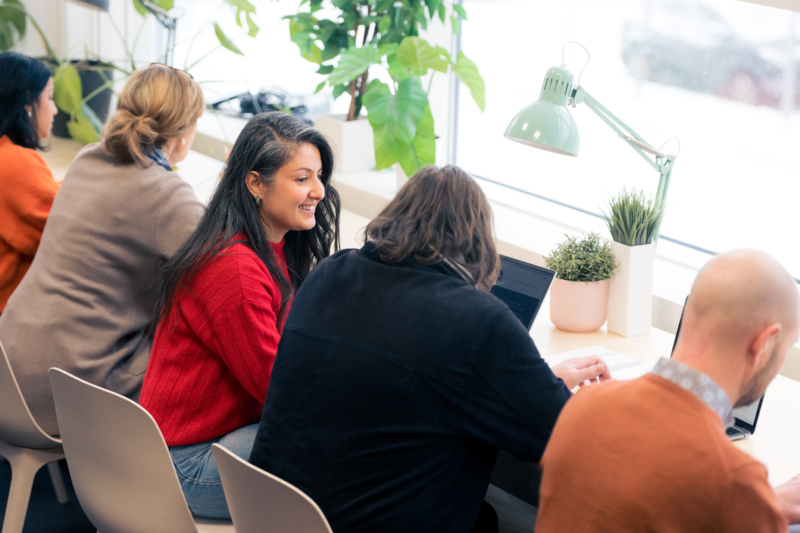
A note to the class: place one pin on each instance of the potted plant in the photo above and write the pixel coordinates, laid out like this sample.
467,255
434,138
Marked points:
633,221
82,88
579,296
384,33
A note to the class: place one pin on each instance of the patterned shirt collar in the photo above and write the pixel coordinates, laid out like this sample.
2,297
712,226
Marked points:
158,156
702,386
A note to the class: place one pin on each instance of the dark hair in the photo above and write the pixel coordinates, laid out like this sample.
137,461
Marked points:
266,143
439,214
23,80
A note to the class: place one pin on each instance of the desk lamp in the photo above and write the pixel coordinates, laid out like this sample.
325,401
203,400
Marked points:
548,125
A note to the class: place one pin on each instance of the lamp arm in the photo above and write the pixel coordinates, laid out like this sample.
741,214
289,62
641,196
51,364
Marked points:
579,95
662,163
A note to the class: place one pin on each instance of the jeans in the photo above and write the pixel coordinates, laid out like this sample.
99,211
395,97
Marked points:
198,473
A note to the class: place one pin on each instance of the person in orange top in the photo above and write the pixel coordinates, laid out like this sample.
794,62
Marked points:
652,454
27,188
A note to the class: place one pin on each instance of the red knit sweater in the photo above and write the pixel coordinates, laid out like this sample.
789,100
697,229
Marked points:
212,355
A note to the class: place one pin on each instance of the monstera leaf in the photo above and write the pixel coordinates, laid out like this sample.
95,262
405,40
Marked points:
12,23
394,119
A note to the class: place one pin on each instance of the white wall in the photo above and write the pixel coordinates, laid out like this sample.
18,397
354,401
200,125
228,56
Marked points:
74,29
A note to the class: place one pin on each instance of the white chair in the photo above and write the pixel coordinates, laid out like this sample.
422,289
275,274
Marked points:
260,502
26,447
120,465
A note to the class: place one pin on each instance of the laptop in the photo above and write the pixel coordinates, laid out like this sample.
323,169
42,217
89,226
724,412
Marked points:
745,418
522,287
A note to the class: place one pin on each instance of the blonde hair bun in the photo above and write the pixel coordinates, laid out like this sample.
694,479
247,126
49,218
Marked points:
157,104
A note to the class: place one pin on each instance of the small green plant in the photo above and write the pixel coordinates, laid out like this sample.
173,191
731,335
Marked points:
587,259
633,219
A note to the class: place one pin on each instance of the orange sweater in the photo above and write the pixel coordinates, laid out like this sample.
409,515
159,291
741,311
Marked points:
27,190
647,455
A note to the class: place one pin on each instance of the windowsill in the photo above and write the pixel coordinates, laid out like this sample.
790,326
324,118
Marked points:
522,234
527,228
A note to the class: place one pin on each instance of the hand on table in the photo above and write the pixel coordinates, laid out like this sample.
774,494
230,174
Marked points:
575,371
789,498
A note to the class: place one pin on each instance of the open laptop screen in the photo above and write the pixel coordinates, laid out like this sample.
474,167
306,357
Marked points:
746,416
522,287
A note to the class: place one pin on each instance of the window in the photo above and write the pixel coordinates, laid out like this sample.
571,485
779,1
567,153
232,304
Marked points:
270,60
719,75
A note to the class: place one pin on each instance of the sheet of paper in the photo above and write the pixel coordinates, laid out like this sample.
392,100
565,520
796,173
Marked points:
622,367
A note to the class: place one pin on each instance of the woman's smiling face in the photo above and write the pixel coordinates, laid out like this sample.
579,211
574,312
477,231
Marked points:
290,201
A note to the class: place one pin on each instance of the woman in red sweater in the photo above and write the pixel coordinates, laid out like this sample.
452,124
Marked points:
26,116
226,294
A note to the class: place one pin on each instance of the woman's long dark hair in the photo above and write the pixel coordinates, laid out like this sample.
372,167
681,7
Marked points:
23,80
266,143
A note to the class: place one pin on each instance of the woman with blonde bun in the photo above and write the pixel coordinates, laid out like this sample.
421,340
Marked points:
121,212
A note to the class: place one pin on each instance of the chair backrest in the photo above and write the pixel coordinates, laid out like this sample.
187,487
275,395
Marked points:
260,502
17,426
119,463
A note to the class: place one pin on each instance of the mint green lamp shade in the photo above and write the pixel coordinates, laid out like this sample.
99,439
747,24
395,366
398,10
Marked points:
547,123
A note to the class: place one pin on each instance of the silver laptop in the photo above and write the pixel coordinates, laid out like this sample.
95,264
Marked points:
522,287
745,418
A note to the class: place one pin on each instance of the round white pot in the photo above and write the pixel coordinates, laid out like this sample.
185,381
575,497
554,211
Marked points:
577,306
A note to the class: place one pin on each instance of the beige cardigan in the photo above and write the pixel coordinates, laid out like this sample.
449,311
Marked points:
85,302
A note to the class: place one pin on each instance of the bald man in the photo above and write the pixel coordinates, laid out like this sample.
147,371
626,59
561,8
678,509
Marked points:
652,454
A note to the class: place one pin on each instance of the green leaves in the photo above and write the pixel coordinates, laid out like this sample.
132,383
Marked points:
352,36
385,23
84,125
633,219
67,88
243,7
12,23
468,72
422,151
394,118
419,56
224,41
166,5
588,259
301,32
353,64
82,129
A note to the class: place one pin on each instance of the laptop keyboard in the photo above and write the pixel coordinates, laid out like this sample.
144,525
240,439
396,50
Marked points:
733,431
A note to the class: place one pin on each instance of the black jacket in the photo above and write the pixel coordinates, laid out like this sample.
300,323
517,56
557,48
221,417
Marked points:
393,388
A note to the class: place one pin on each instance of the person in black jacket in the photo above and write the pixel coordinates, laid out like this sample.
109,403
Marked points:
399,376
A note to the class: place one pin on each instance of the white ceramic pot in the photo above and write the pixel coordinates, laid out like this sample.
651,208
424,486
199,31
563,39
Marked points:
352,142
630,293
577,306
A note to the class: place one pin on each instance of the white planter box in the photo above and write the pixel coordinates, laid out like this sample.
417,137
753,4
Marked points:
352,142
630,294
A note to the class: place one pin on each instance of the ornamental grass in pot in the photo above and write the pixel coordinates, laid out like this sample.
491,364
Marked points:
579,295
633,220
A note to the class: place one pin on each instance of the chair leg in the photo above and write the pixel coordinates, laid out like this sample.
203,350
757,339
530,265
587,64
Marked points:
23,471
25,462
58,482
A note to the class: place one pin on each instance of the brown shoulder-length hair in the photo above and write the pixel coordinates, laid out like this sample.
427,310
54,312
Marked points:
441,213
